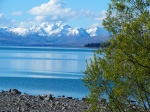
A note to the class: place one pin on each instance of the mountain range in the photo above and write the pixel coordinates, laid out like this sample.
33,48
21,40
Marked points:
54,34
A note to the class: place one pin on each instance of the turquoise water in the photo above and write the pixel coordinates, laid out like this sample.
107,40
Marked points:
39,70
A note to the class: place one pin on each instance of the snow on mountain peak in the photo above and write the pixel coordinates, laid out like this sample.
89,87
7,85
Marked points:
57,29
53,33
97,31
80,32
19,31
59,23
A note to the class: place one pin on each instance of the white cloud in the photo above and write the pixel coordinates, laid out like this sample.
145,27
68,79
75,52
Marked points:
95,24
17,13
4,22
97,16
54,10
40,18
2,15
27,24
101,16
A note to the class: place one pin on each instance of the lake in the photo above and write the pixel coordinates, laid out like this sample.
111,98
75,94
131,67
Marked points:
44,70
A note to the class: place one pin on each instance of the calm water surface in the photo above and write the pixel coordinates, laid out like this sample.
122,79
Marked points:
44,70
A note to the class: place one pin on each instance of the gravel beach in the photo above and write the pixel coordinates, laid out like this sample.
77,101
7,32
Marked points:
14,101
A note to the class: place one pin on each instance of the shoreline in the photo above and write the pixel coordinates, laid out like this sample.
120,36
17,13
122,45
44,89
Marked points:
14,100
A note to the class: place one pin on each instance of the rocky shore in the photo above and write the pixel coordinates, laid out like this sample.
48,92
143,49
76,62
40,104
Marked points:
14,101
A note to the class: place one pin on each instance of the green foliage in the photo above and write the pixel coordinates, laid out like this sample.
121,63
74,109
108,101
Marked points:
123,73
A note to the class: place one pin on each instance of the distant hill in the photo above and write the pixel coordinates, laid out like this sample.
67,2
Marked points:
54,34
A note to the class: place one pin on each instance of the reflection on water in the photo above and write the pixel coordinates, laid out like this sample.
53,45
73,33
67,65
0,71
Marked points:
43,70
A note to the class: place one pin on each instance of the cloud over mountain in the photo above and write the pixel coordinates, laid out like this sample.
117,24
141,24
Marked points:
83,13
54,10
96,15
4,22
17,13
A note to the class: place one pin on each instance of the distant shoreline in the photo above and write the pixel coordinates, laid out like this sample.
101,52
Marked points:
47,46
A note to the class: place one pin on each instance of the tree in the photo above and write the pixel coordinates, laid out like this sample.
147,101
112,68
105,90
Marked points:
122,74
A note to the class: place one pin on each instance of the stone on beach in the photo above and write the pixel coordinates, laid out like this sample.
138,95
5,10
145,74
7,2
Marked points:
14,91
14,101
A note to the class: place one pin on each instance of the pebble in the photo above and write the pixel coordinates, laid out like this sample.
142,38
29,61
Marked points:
14,101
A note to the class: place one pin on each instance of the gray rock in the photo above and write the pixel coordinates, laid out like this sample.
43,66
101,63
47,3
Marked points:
48,97
14,91
69,97
15,102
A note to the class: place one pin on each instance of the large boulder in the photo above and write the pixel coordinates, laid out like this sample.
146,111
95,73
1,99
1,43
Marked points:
14,91
46,97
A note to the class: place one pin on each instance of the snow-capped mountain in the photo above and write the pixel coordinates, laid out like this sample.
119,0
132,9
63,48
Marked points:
52,34
97,31
19,31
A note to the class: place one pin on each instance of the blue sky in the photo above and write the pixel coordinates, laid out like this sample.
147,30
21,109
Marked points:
83,13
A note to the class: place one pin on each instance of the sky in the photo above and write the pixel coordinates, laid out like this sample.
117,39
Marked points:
24,13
